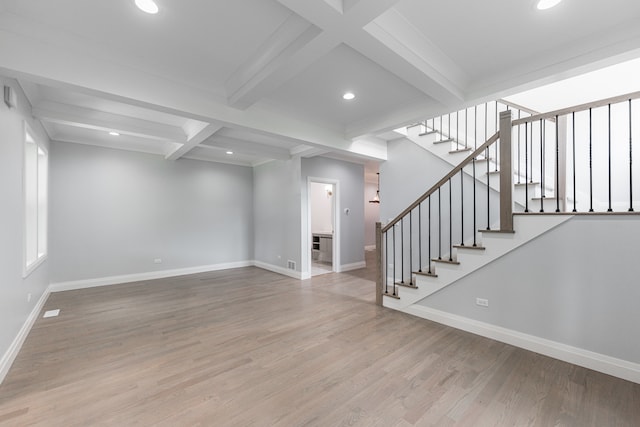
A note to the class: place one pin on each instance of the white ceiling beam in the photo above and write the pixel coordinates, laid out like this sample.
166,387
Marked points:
306,151
196,138
248,83
367,26
68,69
69,115
247,147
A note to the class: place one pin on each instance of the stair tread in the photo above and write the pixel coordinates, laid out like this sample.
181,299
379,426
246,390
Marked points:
445,261
461,150
497,231
407,285
522,184
385,294
477,248
545,198
430,132
425,273
443,141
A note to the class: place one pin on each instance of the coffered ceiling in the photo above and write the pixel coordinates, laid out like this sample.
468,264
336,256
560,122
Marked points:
264,79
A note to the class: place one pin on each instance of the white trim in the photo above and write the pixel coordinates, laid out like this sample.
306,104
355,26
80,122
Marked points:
306,225
281,270
370,248
115,280
353,266
598,362
16,345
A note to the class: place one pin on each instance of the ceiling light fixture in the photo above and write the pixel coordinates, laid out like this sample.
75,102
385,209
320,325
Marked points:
547,4
148,6
376,198
348,96
114,133
229,152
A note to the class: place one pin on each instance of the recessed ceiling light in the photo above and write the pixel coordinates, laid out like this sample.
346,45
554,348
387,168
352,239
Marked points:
148,6
348,96
229,152
547,4
113,133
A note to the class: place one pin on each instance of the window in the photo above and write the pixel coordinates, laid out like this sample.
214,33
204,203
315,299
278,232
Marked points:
35,202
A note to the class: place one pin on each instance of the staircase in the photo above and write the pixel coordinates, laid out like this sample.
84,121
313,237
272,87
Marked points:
483,208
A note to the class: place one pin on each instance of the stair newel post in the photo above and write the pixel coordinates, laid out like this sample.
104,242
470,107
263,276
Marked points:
410,248
450,222
395,260
379,266
429,247
506,173
439,224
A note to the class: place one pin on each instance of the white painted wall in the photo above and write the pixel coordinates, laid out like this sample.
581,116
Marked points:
14,308
113,212
576,285
277,221
351,196
321,208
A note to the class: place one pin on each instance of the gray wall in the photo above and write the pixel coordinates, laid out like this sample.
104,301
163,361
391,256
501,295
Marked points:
277,220
351,196
14,308
576,285
113,212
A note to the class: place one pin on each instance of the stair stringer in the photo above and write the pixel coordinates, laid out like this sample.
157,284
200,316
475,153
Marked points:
527,228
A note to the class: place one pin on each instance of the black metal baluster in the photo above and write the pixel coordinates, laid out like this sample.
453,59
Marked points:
475,137
420,238
486,153
531,155
526,166
496,129
429,259
519,134
457,130
475,127
439,225
386,262
573,115
610,208
395,260
411,247
630,161
461,208
450,223
557,167
542,165
590,164
402,250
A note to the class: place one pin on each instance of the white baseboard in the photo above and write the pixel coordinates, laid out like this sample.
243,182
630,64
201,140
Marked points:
16,345
598,362
116,280
281,270
353,266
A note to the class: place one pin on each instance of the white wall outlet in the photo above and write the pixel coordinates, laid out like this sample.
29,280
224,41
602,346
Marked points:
157,261
29,297
482,302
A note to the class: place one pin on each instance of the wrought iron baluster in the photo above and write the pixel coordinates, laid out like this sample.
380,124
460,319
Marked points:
609,119
526,166
630,160
573,124
590,163
557,166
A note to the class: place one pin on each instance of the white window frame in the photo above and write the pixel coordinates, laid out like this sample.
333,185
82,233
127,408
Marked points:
38,176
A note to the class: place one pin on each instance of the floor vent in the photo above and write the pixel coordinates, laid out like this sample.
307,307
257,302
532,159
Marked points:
51,313
291,265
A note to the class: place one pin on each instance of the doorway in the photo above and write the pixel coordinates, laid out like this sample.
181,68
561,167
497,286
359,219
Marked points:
322,227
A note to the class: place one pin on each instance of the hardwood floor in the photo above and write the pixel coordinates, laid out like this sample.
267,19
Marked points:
247,347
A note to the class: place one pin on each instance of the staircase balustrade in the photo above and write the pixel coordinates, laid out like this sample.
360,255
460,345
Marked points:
579,158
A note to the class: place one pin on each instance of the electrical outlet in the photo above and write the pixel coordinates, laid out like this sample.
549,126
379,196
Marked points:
482,302
157,261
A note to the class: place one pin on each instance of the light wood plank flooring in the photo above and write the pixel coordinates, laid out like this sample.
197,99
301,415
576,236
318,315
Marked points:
247,347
